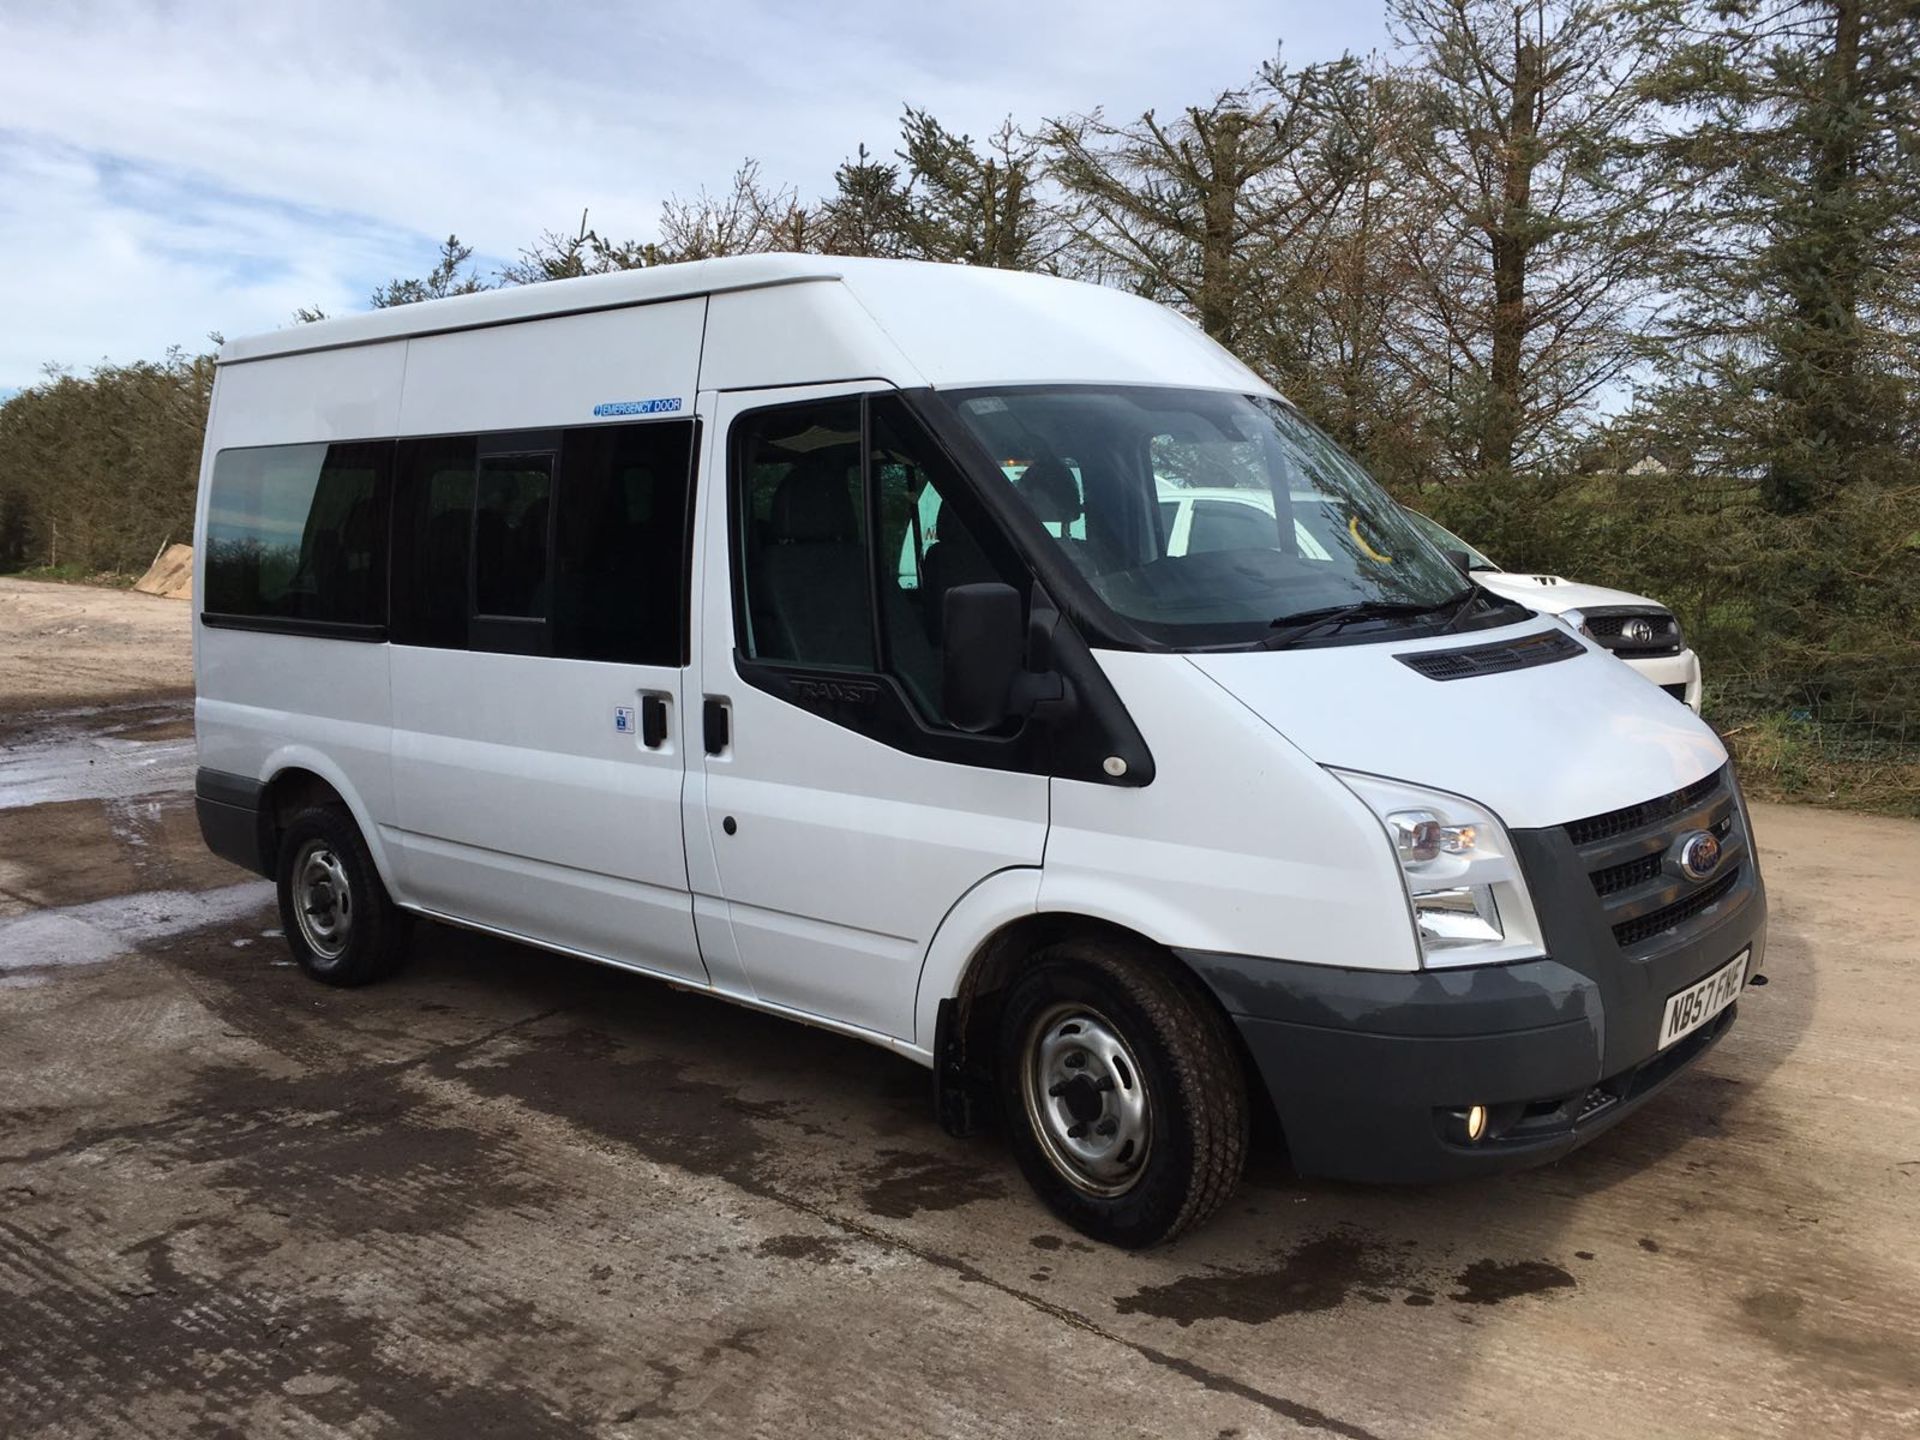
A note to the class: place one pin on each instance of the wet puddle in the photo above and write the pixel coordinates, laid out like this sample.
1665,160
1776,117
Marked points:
45,940
94,754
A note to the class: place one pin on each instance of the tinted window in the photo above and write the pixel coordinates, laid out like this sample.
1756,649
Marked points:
298,533
934,549
798,503
433,522
619,583
512,502
1229,525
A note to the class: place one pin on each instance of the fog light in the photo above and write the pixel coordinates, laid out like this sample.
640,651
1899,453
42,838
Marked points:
1474,1120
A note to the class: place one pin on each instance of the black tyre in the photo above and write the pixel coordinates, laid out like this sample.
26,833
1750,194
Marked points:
1125,1099
340,923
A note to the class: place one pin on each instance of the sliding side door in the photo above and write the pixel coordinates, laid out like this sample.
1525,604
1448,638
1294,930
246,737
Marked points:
540,589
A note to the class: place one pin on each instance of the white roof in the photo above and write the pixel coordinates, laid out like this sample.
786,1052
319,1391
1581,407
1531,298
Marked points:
953,323
527,302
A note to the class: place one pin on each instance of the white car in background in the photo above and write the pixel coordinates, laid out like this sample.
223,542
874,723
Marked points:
1640,631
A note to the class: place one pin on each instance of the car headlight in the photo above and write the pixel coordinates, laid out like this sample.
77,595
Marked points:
1469,899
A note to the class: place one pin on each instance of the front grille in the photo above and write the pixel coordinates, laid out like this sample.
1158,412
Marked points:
1670,917
1613,823
1630,858
1609,627
1612,879
1540,649
1615,878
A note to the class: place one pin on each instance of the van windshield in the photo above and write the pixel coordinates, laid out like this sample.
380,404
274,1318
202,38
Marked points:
1208,518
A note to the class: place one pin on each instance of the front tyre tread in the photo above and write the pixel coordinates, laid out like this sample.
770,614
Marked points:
1199,1088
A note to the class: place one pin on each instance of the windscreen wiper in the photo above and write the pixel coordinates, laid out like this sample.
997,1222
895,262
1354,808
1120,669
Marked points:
1291,629
1463,604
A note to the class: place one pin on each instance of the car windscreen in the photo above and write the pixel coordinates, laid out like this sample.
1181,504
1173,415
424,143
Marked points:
1203,517
1447,540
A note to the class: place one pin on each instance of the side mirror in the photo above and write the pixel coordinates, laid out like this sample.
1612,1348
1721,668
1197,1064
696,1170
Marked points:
984,680
1460,560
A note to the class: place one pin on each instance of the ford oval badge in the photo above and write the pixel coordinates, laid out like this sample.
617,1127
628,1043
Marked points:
1699,855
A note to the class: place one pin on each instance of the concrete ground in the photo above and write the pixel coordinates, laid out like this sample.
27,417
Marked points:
511,1194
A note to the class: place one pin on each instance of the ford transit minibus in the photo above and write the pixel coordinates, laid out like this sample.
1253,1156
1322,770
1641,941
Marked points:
813,632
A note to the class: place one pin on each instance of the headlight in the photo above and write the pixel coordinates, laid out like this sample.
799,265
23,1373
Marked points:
1470,902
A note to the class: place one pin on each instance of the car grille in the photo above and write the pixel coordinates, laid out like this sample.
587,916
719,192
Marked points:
1629,933
1647,812
1539,649
1627,855
1608,625
1616,878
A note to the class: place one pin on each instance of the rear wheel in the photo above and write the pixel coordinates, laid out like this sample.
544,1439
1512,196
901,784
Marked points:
1124,1093
340,923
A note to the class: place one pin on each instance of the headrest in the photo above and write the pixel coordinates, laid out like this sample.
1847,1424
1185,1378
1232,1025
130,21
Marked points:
1050,490
813,505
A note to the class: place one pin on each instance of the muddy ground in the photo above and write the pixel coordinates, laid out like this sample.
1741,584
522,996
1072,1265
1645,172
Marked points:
511,1194
73,643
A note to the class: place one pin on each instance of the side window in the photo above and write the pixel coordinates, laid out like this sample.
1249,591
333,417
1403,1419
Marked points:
937,551
801,519
620,548
298,533
804,504
1229,525
513,500
433,544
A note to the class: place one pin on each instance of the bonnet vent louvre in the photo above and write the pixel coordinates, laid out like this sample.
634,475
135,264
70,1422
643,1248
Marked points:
1540,649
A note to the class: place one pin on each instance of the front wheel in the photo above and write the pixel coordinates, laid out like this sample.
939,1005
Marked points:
1124,1093
339,921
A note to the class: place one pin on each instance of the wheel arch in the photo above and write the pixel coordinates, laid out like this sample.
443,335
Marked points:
964,1008
294,779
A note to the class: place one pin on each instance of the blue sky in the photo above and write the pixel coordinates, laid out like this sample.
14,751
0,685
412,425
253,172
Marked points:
167,170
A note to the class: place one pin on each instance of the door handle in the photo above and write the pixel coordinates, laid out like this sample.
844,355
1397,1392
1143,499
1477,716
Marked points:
653,721
715,725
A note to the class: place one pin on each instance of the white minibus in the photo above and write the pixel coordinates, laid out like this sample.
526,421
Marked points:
807,631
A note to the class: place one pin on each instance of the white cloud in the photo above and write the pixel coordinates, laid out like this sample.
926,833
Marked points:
168,170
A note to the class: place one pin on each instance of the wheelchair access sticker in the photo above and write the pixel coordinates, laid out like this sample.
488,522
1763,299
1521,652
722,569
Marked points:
623,719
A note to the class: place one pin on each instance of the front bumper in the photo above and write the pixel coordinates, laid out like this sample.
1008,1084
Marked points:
1364,1066
1678,675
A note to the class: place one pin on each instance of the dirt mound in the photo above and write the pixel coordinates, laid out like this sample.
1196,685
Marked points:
171,575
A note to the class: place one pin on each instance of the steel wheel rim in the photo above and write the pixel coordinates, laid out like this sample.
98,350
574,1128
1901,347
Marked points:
322,900
1086,1099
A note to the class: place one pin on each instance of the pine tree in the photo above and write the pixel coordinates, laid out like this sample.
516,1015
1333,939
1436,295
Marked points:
868,213
972,207
451,275
1530,265
1202,210
1791,355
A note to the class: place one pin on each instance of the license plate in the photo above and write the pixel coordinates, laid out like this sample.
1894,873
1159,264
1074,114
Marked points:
1692,1007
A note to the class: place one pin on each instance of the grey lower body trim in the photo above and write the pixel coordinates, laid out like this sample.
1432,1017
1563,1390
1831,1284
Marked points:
229,810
